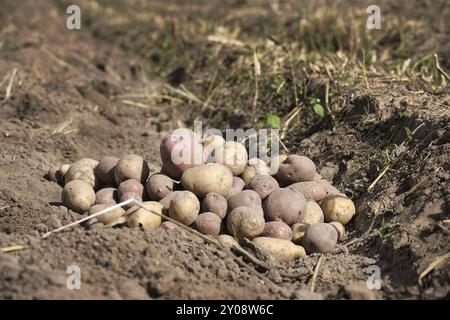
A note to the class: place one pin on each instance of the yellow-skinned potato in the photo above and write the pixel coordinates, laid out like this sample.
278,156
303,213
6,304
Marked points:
234,156
212,146
228,241
158,186
206,178
167,199
255,167
139,217
81,171
338,208
78,196
87,162
131,166
283,250
184,207
63,169
108,219
245,222
298,231
312,213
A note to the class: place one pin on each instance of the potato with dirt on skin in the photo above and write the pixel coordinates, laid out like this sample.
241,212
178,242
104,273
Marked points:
245,222
206,178
283,250
245,198
78,196
167,199
180,150
208,223
284,204
158,186
148,218
312,214
109,219
81,171
312,190
275,162
237,186
212,145
320,237
255,167
184,208
227,241
105,170
106,196
339,228
132,166
328,187
130,189
277,229
338,208
215,203
234,156
296,169
263,185
298,231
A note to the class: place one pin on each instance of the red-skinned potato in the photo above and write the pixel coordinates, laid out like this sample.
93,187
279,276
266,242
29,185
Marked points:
296,169
263,185
277,229
184,207
106,196
130,189
180,150
237,186
78,196
105,170
206,178
320,237
312,190
245,222
245,198
283,204
338,208
158,186
131,166
208,223
215,203
275,163
312,214
329,189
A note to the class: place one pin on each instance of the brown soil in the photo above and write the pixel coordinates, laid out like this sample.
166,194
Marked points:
64,106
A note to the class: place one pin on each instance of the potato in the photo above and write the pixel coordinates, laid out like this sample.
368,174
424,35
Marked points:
329,189
234,156
237,186
254,168
298,231
131,166
137,216
227,241
312,213
108,219
215,203
212,146
80,171
184,207
275,163
208,223
64,168
169,225
167,199
245,198
158,186
87,162
206,178
277,229
312,190
340,229
106,196
105,170
320,237
296,169
283,250
338,208
54,174
263,185
78,196
180,150
130,189
245,222
285,205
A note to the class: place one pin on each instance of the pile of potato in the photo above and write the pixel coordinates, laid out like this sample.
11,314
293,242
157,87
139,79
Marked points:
285,207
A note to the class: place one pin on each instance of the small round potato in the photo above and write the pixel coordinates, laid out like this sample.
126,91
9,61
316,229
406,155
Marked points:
263,185
208,223
283,204
167,199
277,229
140,217
312,190
237,186
234,156
275,163
105,170
215,203
312,213
296,169
106,196
78,196
255,167
340,229
180,150
158,186
283,250
184,207
130,189
245,222
228,241
206,178
245,198
108,219
338,208
131,166
298,231
320,237
212,146
80,171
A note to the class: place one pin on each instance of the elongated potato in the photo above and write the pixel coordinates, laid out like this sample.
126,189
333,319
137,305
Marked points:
184,207
312,190
106,196
131,166
215,203
295,169
234,156
105,170
206,178
277,229
283,204
254,168
137,216
208,223
283,250
78,196
312,213
320,237
158,186
245,222
108,219
338,208
245,198
263,185
228,241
